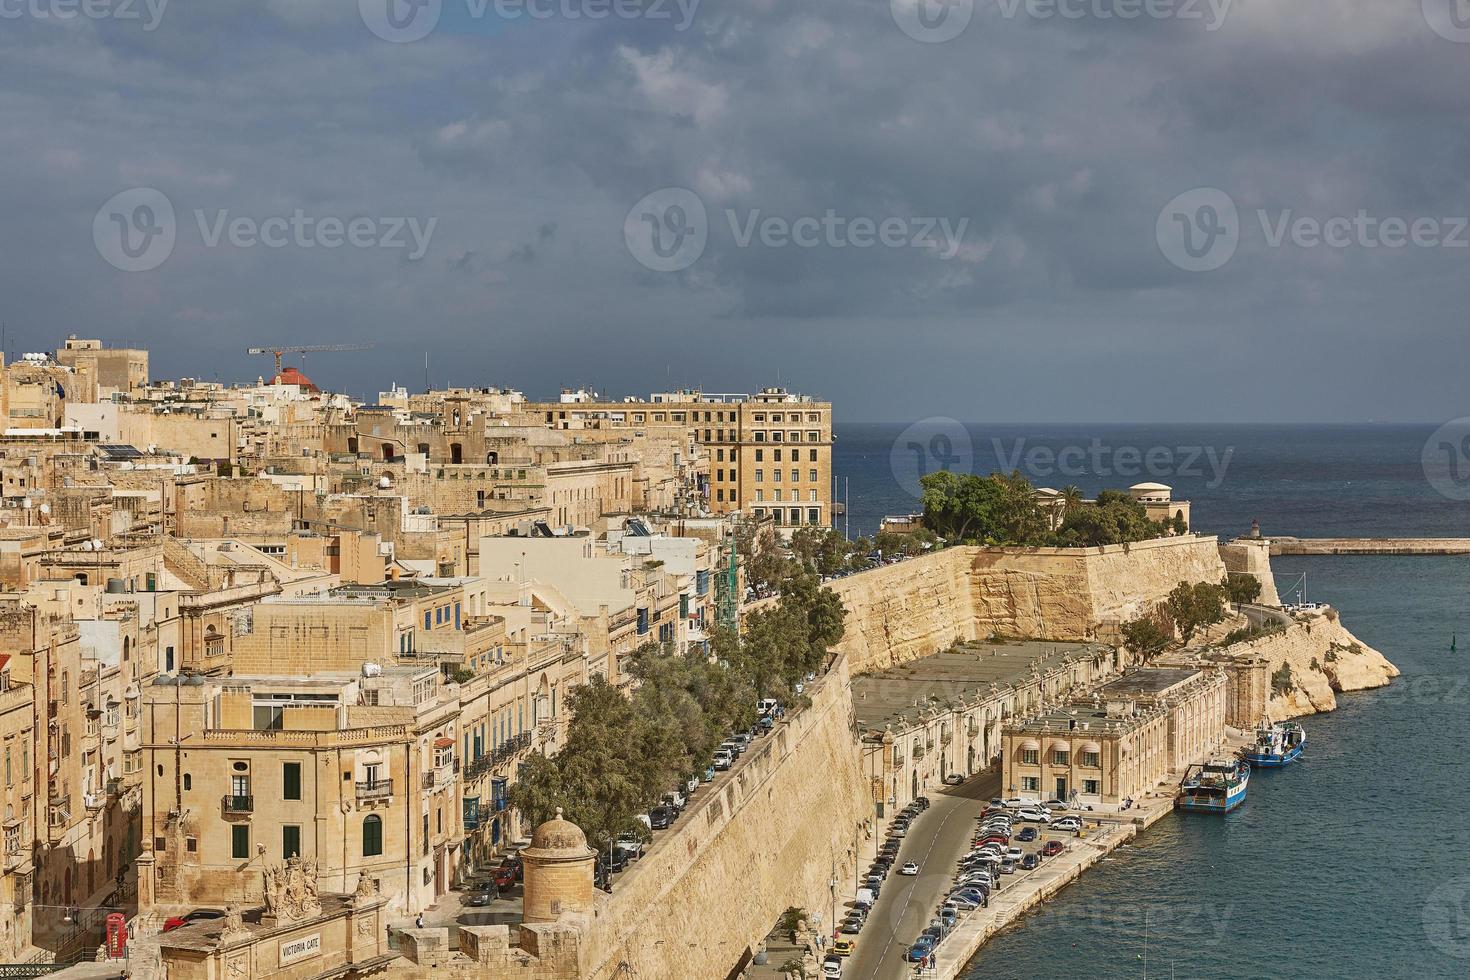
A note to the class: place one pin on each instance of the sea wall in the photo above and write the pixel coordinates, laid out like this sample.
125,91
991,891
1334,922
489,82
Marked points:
912,609
1252,556
1324,658
737,859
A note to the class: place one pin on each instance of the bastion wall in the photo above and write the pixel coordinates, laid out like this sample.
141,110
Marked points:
736,860
912,609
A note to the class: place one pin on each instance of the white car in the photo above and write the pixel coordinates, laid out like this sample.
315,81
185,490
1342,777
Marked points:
910,868
1013,854
722,759
1034,815
1066,823
832,968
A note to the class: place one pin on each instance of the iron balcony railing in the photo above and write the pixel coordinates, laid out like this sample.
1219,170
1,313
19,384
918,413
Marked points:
376,789
239,804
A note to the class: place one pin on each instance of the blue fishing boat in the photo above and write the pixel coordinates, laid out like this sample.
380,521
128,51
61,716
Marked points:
1277,745
1218,786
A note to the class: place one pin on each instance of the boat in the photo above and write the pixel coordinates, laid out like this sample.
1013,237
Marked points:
1277,745
1218,786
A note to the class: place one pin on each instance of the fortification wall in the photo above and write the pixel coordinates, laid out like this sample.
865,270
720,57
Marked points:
736,860
898,613
1252,556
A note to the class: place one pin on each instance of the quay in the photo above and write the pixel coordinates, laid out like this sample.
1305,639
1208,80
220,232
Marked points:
1369,546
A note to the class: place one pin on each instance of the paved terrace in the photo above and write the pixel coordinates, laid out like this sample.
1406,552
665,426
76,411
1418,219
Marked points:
966,673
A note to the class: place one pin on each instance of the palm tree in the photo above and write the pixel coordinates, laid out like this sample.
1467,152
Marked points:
1071,498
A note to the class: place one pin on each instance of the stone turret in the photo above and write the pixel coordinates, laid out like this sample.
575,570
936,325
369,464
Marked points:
558,871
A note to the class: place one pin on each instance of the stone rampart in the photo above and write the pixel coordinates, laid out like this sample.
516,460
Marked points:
737,858
912,609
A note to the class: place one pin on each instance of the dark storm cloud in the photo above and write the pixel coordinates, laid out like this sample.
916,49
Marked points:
1053,141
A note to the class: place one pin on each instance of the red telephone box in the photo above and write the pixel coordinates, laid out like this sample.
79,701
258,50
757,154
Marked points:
117,935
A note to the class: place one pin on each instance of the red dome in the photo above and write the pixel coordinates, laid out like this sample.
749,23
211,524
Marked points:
291,376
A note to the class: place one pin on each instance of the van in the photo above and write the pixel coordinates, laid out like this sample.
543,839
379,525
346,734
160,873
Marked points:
765,706
864,897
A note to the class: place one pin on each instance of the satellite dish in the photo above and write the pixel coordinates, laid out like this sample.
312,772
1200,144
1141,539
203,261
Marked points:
29,503
86,546
96,544
45,508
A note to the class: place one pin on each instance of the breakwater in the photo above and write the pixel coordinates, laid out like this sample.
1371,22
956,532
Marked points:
1369,546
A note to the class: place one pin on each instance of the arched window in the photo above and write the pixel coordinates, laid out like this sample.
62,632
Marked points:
372,835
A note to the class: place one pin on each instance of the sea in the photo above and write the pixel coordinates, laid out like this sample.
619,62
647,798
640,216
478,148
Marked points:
1354,862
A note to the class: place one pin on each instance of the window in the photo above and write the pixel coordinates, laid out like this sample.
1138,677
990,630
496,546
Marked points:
291,780
240,841
812,455
1061,758
1030,757
760,455
372,835
760,476
1090,787
1031,783
1091,760
290,842
811,476
428,620
188,781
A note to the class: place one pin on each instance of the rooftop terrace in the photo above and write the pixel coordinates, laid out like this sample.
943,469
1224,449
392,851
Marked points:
963,673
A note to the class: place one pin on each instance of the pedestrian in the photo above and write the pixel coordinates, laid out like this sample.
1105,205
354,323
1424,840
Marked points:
418,921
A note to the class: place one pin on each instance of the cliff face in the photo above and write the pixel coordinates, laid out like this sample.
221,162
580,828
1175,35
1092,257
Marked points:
1311,662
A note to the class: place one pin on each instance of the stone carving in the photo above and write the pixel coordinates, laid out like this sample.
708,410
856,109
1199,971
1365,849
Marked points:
234,925
367,890
291,890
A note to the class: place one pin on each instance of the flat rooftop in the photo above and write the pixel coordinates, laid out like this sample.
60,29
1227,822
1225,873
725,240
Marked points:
964,672
1149,680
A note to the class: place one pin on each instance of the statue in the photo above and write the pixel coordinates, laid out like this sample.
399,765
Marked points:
367,890
234,925
291,890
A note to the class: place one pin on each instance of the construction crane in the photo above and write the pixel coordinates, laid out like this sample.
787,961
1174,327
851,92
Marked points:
307,349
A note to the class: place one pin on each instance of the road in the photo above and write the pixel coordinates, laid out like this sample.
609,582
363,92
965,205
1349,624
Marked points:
906,905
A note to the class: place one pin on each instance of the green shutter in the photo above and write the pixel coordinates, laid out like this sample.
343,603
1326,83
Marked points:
240,841
290,842
291,780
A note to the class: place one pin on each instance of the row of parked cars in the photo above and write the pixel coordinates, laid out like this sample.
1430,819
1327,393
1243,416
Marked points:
872,885
629,847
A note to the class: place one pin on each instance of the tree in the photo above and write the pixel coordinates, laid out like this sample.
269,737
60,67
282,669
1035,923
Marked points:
1146,636
1071,498
1193,606
999,509
1242,587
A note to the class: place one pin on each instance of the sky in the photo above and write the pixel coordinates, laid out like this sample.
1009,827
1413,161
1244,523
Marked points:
995,210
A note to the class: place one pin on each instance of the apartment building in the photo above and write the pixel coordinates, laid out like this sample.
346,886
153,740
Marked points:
770,452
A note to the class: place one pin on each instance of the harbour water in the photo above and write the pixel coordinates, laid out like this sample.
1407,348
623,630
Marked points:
1349,863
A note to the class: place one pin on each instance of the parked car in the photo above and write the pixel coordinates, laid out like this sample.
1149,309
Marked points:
923,802
1026,834
832,968
505,875
898,830
483,895
864,896
660,817
1034,815
844,947
1067,823
909,868
765,706
1008,867
1055,805
676,800
1052,848
709,773
921,948
964,902
851,926
189,918
693,784
954,779
1030,862
723,758
617,861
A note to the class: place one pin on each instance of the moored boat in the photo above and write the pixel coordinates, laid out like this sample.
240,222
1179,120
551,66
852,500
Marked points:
1277,745
1218,786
